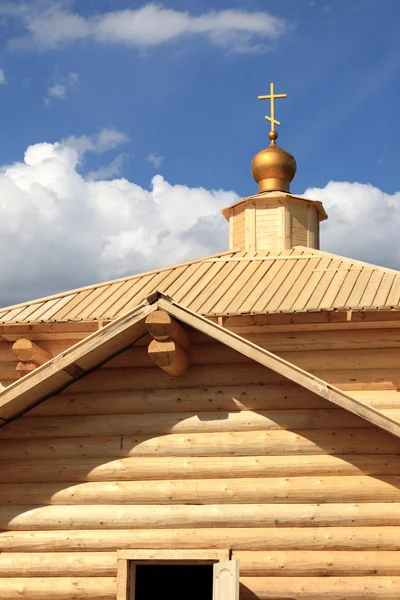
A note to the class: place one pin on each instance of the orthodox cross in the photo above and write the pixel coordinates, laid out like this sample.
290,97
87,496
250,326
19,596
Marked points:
272,96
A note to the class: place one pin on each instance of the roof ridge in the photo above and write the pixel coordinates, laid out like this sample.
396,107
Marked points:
110,281
355,261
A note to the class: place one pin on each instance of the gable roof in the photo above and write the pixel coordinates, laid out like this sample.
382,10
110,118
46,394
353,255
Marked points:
230,283
90,353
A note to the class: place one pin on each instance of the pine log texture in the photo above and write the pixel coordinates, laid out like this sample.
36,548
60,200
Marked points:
228,455
296,490
246,443
158,468
28,351
317,588
271,563
161,423
162,326
170,357
59,588
30,517
252,397
237,538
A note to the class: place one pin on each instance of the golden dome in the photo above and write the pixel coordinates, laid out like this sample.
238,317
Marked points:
273,168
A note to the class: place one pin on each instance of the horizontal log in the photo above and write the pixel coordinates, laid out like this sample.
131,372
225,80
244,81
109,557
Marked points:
8,370
324,340
264,588
292,563
296,490
363,379
50,564
288,396
249,538
148,424
59,588
151,378
319,588
309,360
28,517
378,398
158,468
245,443
300,563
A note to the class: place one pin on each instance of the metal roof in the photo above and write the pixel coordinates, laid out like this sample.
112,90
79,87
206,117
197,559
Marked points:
230,283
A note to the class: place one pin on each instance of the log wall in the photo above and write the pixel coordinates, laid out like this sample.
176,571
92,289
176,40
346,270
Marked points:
229,455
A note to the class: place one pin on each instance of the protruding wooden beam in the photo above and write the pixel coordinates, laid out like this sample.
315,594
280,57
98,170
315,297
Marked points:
23,368
30,356
28,351
162,326
170,357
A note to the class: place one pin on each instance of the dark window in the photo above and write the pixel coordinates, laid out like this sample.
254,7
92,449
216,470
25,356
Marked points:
173,582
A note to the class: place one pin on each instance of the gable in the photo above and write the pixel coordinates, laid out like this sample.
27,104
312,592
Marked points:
91,353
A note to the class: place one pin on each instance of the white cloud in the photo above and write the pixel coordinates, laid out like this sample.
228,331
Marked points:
51,24
107,139
155,159
114,168
364,222
60,229
61,85
3,80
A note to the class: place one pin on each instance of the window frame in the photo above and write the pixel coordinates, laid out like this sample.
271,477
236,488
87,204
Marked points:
128,559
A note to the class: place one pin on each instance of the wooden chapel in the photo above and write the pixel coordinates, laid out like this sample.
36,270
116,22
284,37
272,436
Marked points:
226,428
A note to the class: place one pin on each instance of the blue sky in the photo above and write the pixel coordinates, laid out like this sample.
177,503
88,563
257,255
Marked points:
179,87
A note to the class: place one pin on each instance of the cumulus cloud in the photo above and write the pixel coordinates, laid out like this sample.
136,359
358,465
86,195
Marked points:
364,222
60,87
53,24
155,159
59,229
3,80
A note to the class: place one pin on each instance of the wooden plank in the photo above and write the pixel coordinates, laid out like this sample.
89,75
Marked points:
174,555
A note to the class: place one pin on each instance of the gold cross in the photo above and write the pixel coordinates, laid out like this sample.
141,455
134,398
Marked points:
271,96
